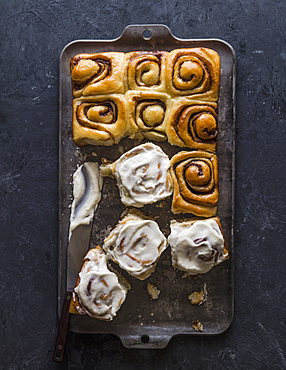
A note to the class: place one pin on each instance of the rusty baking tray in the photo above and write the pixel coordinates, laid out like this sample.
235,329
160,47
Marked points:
142,322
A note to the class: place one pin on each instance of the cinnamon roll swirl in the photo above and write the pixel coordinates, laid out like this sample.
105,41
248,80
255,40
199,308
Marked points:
100,73
193,124
99,292
197,245
145,70
148,113
195,177
136,244
99,120
142,174
194,72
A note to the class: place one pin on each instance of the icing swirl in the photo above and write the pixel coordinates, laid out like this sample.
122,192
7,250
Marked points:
99,292
143,175
135,244
196,246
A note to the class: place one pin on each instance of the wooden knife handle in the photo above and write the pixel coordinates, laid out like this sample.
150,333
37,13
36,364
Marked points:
63,330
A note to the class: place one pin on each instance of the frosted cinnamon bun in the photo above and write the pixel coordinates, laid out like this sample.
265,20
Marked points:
145,70
193,124
99,120
136,244
100,73
142,174
195,177
197,245
99,292
194,73
147,114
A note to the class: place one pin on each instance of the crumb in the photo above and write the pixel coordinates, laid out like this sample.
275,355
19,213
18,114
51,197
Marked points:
152,313
94,154
153,321
198,298
141,324
139,316
198,326
153,291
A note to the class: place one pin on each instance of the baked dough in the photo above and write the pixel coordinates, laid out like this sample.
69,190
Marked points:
99,292
194,73
100,73
197,245
99,120
145,70
193,124
135,244
142,174
147,114
195,178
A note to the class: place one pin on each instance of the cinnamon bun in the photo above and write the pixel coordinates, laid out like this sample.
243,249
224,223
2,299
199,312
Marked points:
136,244
99,292
194,73
145,70
100,73
147,114
142,174
197,245
99,120
195,177
193,124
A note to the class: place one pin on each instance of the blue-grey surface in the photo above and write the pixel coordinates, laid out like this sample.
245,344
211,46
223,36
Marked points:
33,33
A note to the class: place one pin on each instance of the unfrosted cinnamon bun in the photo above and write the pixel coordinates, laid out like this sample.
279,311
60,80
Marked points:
136,244
195,177
145,70
100,73
147,114
99,120
194,73
99,292
193,124
197,245
142,174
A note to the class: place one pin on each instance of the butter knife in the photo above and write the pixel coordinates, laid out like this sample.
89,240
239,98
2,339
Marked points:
87,187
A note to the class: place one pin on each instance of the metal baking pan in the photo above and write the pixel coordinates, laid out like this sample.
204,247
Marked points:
142,322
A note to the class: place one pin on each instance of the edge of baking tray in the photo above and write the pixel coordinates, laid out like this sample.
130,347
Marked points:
150,27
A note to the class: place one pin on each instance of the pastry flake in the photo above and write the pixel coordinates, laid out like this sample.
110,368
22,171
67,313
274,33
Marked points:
195,178
100,73
193,124
194,73
99,120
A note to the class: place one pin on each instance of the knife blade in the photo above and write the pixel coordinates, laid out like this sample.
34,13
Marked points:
77,249
87,194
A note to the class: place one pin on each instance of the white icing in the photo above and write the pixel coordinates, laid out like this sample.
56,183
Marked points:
196,248
135,245
87,185
142,175
99,291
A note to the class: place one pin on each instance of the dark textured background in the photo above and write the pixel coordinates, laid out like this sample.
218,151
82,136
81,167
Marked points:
33,33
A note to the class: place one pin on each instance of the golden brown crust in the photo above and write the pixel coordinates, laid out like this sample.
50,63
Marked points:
145,70
147,114
195,178
100,73
99,120
194,73
193,124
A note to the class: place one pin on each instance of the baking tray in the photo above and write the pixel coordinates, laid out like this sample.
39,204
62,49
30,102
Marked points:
142,322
